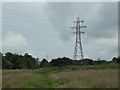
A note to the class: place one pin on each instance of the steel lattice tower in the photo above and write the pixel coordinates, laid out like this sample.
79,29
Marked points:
78,51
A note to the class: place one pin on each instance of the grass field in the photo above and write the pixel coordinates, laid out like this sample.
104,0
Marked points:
0,79
98,76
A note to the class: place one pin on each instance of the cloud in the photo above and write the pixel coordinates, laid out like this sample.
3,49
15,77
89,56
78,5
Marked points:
44,28
99,18
119,29
14,42
101,39
0,45
105,23
58,14
101,47
0,27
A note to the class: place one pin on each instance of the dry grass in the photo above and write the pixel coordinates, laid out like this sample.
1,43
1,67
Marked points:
49,77
89,78
10,79
0,79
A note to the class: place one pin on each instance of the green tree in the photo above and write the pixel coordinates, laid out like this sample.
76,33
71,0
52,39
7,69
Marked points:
6,64
44,63
1,56
15,61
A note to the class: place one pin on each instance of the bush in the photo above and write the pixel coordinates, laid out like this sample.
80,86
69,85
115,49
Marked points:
64,61
44,63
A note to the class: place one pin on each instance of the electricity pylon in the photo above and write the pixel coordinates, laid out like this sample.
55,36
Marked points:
78,51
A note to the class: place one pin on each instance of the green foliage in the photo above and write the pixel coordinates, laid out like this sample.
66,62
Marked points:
15,61
40,81
87,61
39,78
44,63
64,61
8,65
1,55
42,77
98,67
26,61
116,60
67,61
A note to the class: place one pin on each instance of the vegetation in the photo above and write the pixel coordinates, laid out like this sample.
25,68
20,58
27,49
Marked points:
67,61
44,63
62,77
15,61
31,78
58,73
26,61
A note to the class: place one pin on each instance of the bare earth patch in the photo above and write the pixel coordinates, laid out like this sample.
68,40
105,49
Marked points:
89,78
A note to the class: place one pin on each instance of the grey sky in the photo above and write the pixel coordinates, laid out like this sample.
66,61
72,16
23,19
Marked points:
43,29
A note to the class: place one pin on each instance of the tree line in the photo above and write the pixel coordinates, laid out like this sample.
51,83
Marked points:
15,61
26,61
67,61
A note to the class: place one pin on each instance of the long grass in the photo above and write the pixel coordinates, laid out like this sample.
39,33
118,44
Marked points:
84,67
91,76
0,79
31,78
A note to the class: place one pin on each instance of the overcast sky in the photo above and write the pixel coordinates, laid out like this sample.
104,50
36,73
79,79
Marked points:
43,29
